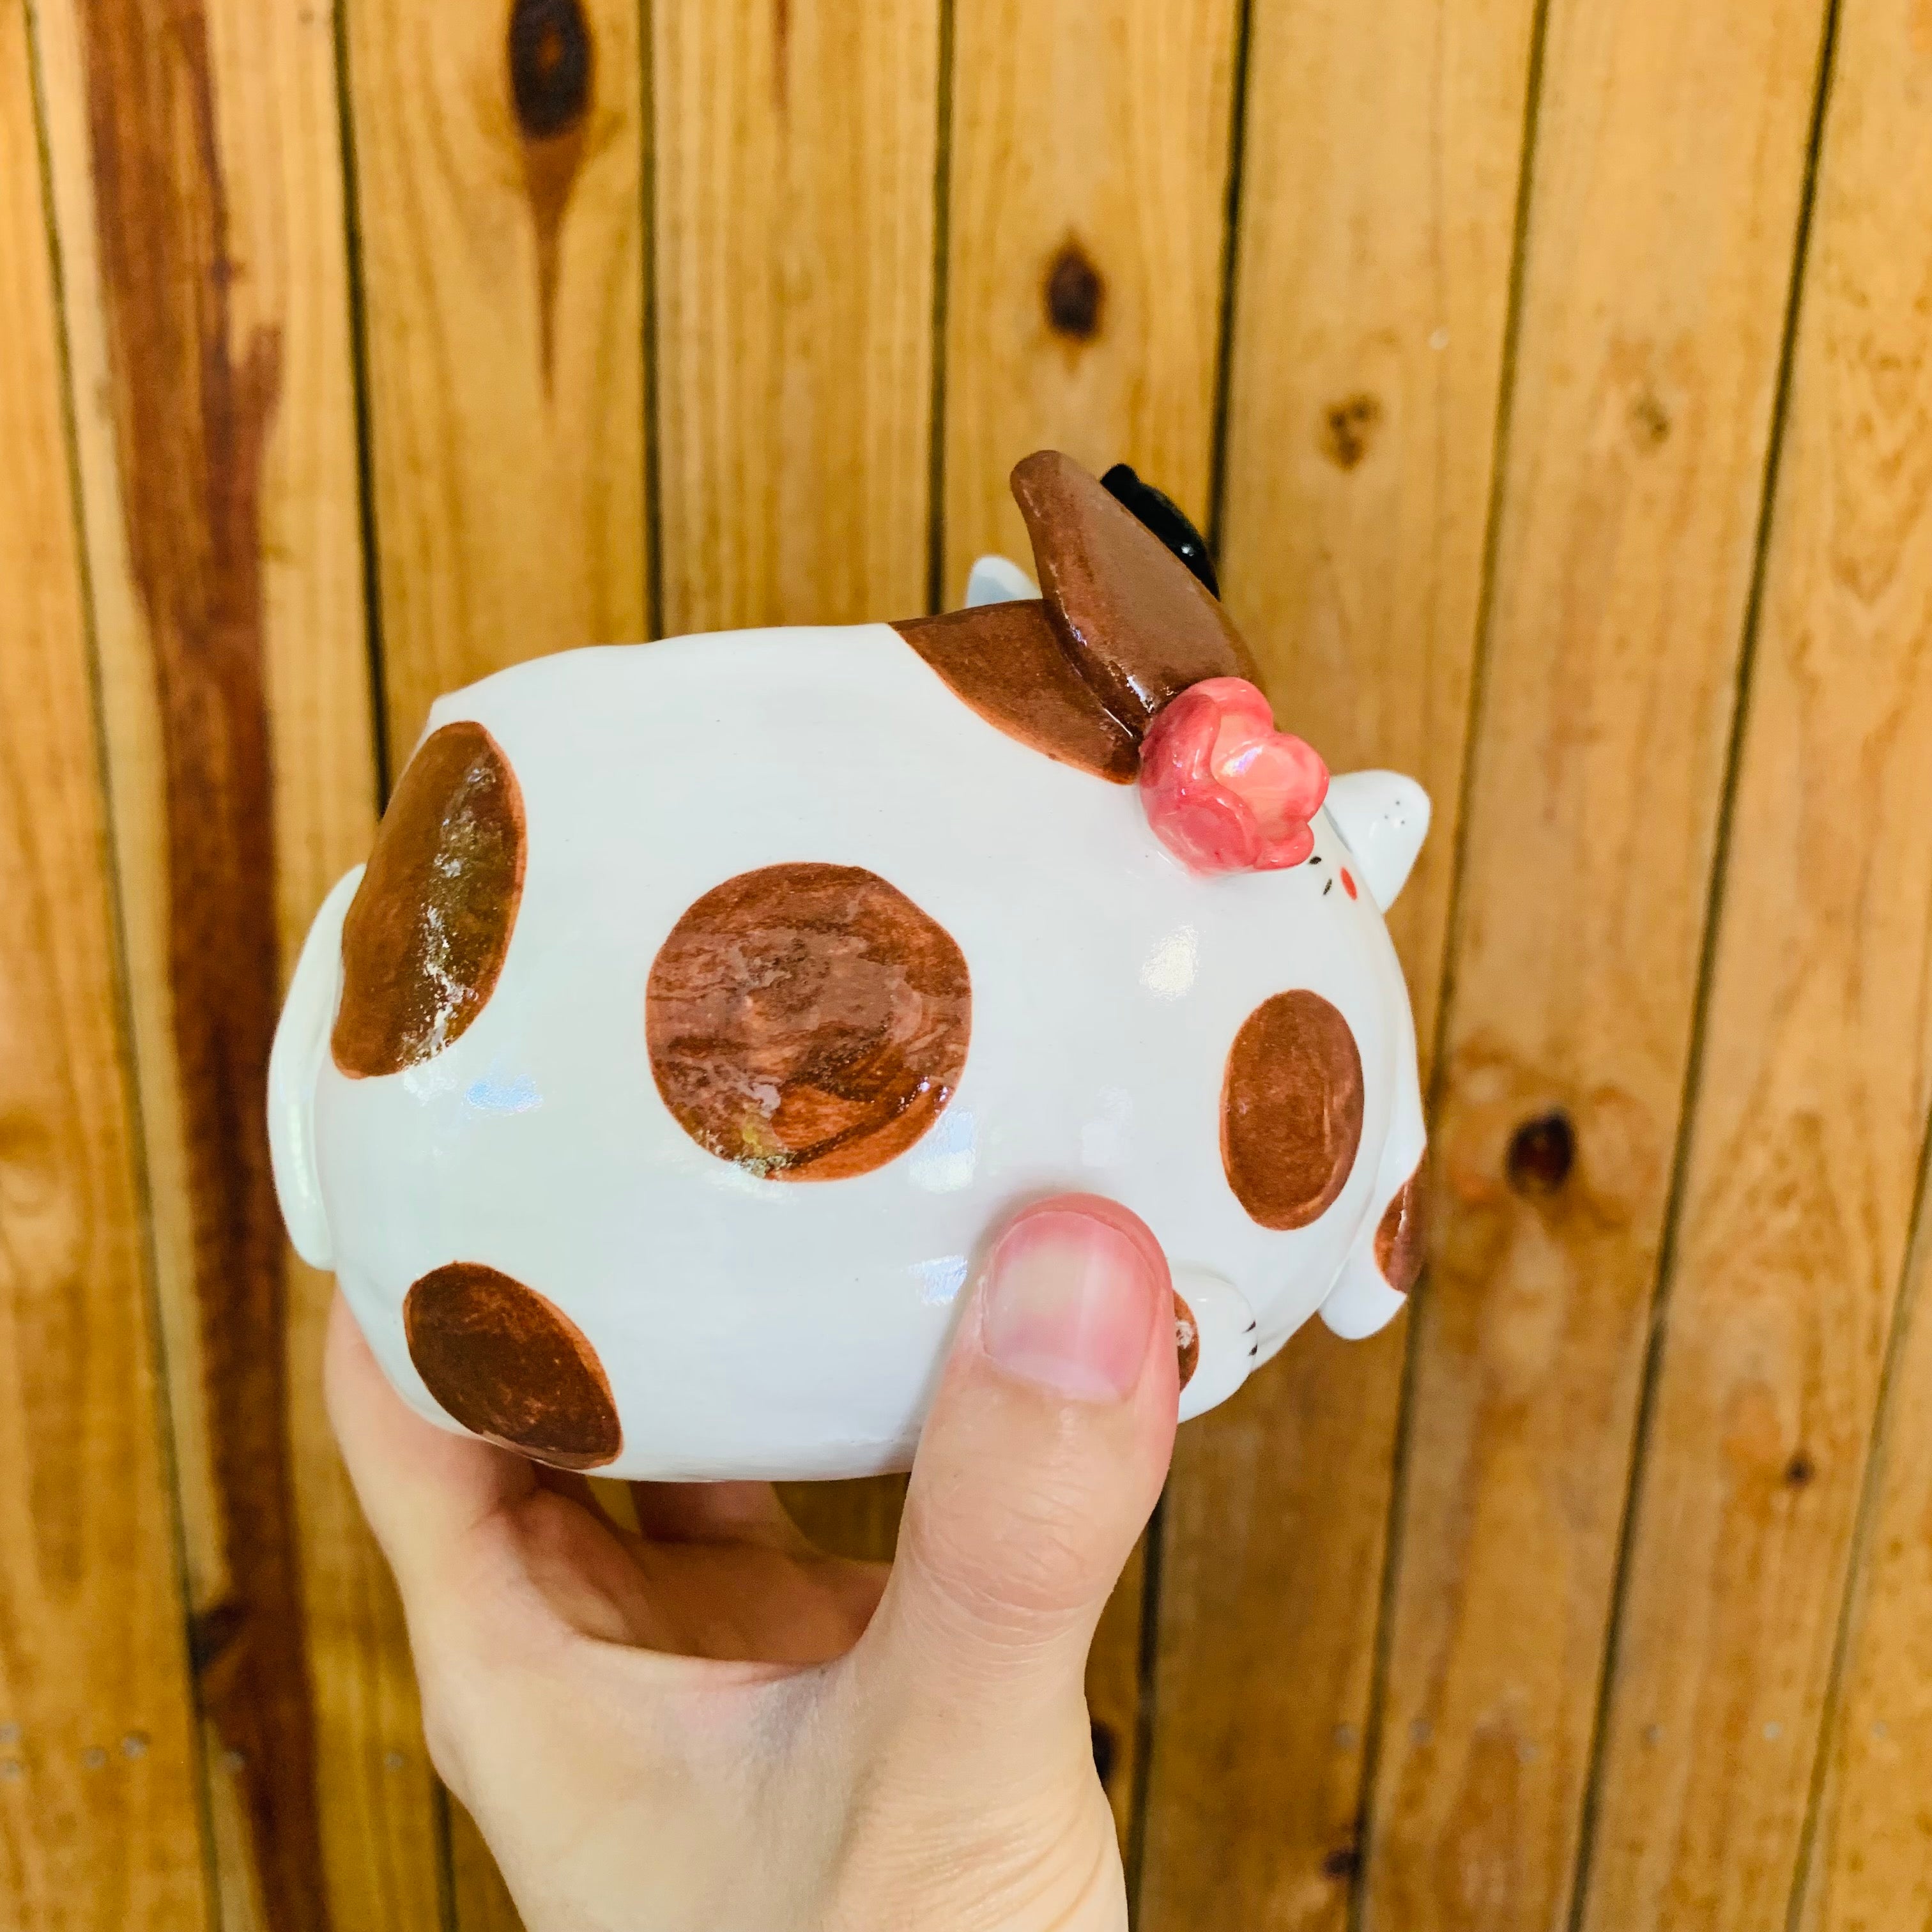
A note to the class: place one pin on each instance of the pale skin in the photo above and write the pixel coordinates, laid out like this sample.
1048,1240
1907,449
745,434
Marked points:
713,1725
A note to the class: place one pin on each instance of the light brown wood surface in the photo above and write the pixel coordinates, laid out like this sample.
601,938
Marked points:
794,223
502,266
1087,184
1377,231
100,1777
216,423
1668,159
1814,1080
1868,1864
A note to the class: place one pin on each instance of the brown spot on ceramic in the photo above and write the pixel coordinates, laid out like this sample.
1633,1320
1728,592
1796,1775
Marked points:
1348,427
1134,621
1005,660
508,1364
1076,294
1186,1339
1402,1235
807,1022
1291,1109
427,930
552,59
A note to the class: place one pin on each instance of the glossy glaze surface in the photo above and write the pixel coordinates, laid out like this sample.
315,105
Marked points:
747,1327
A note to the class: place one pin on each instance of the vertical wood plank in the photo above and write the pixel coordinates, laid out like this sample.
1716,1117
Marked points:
1090,162
500,202
1869,1863
498,157
1377,231
794,217
1816,1076
1668,162
1089,157
100,1779
198,181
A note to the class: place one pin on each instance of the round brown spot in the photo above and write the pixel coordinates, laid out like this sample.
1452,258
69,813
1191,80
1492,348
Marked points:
508,1364
427,931
1402,1236
1291,1109
1186,1339
807,1021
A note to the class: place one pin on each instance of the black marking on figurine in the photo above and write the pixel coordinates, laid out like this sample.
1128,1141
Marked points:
1167,520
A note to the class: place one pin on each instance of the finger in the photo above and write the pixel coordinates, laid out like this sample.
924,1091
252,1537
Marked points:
425,1491
1041,1461
714,1512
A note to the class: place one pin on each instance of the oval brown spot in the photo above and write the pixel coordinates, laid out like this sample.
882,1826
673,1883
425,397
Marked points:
427,931
1402,1236
509,1364
1186,1339
1291,1109
1075,294
807,1022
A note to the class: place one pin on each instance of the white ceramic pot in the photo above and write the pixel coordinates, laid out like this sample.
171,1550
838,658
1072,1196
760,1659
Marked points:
712,1002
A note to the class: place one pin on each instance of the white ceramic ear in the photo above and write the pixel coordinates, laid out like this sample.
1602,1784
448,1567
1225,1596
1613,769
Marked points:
1227,1338
1360,1303
302,1039
1383,818
997,579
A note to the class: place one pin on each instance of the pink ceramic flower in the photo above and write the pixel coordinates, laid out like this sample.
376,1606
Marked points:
1224,790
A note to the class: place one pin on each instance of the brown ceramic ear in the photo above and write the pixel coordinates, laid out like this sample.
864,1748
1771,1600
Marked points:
1006,661
1132,617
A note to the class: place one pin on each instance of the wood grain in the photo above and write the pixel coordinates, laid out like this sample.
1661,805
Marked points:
1090,153
99,1783
1870,1865
501,216
199,187
1669,160
1816,1077
794,220
1378,193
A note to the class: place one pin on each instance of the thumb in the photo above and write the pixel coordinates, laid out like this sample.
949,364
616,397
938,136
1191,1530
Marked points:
1040,1462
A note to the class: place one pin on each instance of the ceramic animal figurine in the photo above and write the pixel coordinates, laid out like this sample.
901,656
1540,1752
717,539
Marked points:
704,1004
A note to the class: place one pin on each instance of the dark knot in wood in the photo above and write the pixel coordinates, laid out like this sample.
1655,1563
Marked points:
1076,294
1347,427
1541,1153
551,59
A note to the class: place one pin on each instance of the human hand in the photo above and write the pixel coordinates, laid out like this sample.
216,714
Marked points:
712,1724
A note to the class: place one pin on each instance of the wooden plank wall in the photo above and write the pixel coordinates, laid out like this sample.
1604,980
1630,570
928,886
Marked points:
1555,379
